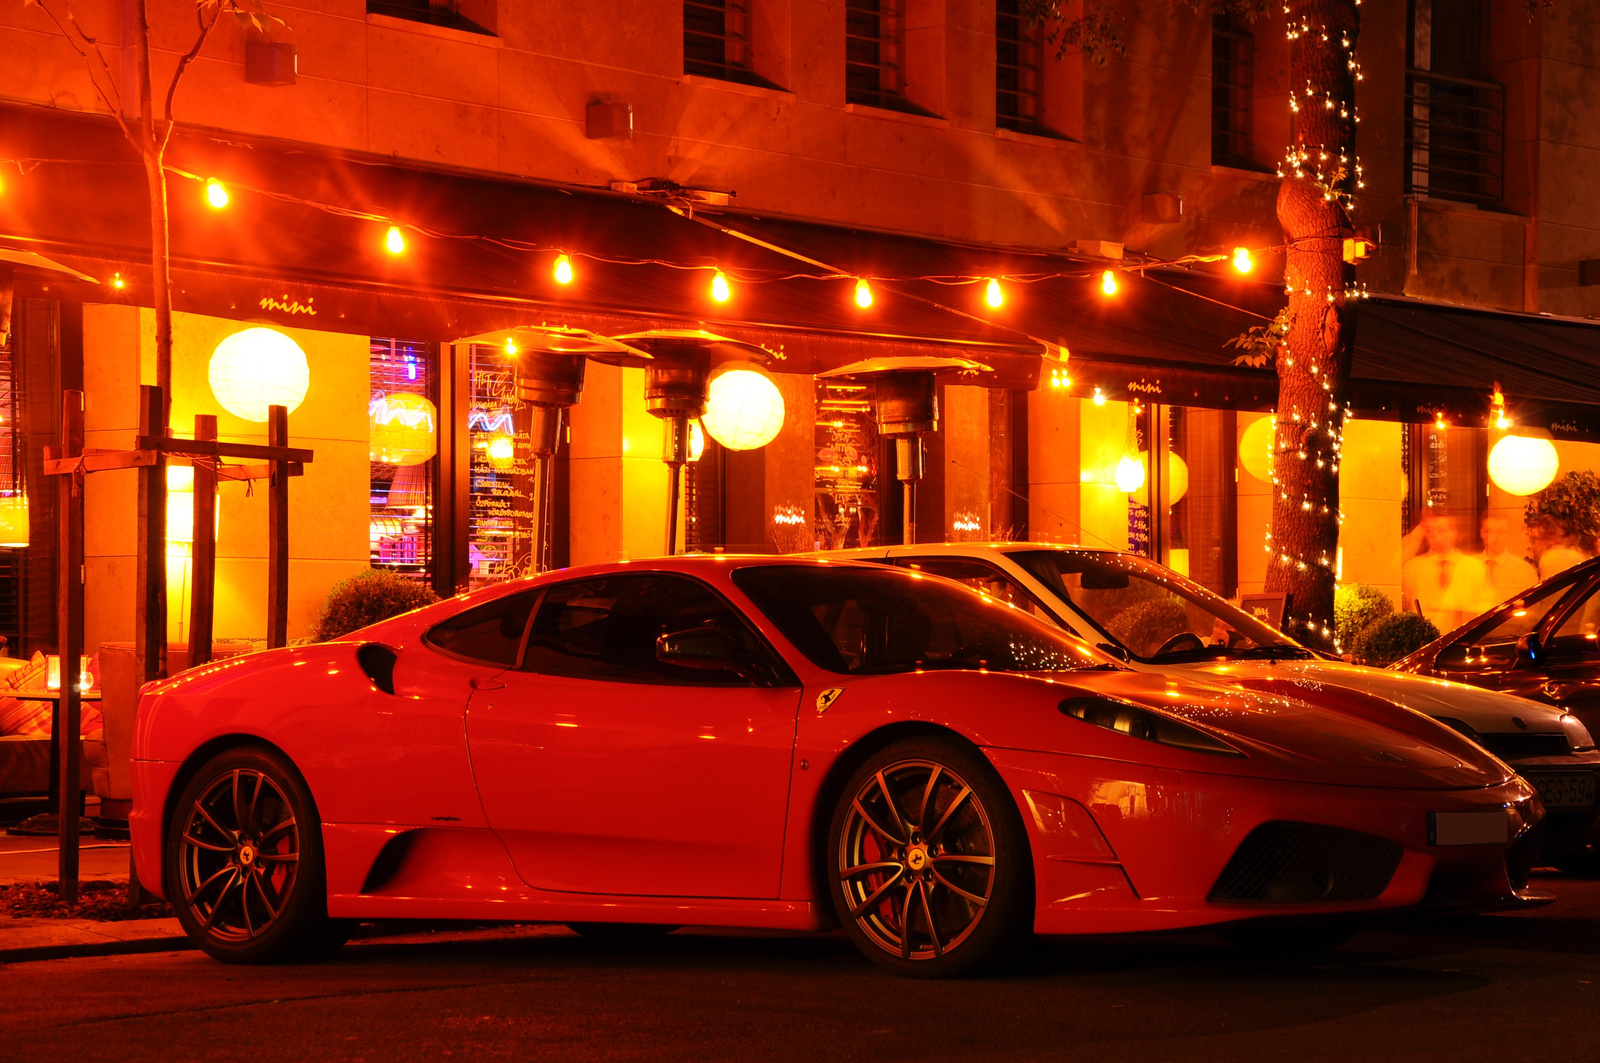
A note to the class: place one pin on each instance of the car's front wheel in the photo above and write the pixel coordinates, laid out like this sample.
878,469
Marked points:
928,862
244,867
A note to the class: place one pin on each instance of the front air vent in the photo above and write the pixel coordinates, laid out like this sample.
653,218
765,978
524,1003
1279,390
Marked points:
1302,863
1518,746
377,660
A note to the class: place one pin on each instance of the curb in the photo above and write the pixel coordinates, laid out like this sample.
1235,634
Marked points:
109,947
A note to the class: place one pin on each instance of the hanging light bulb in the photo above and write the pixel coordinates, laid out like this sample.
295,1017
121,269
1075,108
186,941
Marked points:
1130,473
1108,282
1242,260
511,347
719,288
216,194
563,270
993,295
1099,397
395,241
863,293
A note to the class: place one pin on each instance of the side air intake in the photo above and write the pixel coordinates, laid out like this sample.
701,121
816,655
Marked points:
1302,863
377,660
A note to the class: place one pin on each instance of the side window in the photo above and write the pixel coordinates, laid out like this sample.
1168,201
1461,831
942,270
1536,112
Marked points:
490,633
1492,644
606,629
1579,631
980,576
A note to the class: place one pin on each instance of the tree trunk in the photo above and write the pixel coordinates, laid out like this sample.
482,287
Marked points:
152,150
1314,361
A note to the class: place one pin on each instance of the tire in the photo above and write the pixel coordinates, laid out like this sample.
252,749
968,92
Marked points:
928,867
622,933
1279,941
244,864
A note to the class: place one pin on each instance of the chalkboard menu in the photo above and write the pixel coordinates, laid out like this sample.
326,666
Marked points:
1138,527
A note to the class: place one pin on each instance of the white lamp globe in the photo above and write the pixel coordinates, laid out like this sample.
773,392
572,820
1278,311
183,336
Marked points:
1130,473
1255,449
257,368
1177,477
744,409
1523,465
401,429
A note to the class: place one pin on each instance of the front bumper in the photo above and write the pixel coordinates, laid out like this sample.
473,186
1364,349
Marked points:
1567,830
1121,848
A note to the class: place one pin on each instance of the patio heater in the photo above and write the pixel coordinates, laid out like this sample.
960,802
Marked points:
681,361
548,363
905,405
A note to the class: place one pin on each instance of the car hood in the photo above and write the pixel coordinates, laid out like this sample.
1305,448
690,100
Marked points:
1485,711
1348,738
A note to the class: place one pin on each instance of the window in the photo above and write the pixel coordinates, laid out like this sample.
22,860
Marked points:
1232,88
848,455
473,16
606,629
874,61
875,621
1492,645
1018,65
716,39
1454,112
490,633
981,577
404,426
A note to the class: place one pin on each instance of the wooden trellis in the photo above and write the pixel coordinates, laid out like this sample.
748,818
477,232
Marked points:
275,462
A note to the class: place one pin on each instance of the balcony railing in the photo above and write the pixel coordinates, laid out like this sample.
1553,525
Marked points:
716,41
1455,137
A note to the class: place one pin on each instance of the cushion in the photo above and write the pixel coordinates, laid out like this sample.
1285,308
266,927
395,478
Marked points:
31,719
29,676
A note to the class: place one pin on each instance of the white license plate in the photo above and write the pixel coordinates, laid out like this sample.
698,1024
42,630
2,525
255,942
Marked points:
1565,791
1469,828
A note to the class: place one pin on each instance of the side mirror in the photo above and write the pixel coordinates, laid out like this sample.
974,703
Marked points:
1119,652
1530,651
706,649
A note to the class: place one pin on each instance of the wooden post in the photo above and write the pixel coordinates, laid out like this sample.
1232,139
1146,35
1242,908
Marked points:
278,532
69,643
150,592
204,555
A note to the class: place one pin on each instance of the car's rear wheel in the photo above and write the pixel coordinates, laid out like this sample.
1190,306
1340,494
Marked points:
928,864
244,861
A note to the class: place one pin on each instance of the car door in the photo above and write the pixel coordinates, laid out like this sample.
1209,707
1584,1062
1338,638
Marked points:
608,771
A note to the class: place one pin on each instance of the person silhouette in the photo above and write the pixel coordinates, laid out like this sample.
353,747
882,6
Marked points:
1448,586
1507,574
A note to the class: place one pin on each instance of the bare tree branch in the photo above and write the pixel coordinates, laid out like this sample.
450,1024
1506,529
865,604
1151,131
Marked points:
183,64
90,46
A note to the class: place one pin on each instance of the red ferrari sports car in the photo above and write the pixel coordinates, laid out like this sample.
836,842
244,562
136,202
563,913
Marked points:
765,742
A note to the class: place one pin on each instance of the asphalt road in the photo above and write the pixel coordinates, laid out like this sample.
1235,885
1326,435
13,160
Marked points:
1506,987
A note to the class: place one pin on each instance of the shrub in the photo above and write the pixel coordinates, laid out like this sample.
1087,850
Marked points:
366,598
1144,626
1355,605
1573,503
1391,637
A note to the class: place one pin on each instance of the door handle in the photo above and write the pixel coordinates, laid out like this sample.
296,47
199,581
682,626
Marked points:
485,684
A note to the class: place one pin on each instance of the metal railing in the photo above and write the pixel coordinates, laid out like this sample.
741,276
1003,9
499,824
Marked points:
1455,137
1018,62
716,39
873,70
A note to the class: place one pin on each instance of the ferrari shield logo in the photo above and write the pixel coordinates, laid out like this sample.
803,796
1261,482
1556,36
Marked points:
828,697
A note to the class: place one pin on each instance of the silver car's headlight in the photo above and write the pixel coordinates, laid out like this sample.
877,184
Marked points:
1136,722
1578,736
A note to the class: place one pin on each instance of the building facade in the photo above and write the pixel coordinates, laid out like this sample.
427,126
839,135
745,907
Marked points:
794,148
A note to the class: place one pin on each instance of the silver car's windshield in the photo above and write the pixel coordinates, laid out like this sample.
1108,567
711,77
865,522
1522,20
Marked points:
1151,611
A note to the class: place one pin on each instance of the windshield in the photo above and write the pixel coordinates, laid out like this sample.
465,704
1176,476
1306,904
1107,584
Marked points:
870,620
1151,611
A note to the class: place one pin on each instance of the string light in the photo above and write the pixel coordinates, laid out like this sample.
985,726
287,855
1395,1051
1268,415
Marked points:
719,287
216,194
1108,282
395,241
1242,260
511,347
1099,397
993,295
563,270
863,293
117,282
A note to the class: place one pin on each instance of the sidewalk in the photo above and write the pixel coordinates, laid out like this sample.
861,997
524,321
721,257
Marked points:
36,859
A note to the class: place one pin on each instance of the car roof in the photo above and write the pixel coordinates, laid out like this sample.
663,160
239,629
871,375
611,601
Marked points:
957,549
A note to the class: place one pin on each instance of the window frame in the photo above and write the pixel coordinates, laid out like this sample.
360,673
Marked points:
1030,61
914,560
522,643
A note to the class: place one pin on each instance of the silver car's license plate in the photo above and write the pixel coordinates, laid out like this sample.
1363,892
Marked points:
1565,791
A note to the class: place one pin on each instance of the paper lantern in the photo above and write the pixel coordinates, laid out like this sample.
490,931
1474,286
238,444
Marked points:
14,521
697,441
257,368
1522,465
744,409
1130,473
1177,477
501,451
1255,449
180,505
401,429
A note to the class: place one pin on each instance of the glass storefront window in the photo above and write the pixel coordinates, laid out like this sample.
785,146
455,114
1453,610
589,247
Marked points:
499,514
846,471
403,425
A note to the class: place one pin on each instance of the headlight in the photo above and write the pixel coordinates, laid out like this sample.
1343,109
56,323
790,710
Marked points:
1136,722
1578,736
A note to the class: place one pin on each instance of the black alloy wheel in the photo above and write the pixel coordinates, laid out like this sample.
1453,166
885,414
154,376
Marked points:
928,861
244,866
